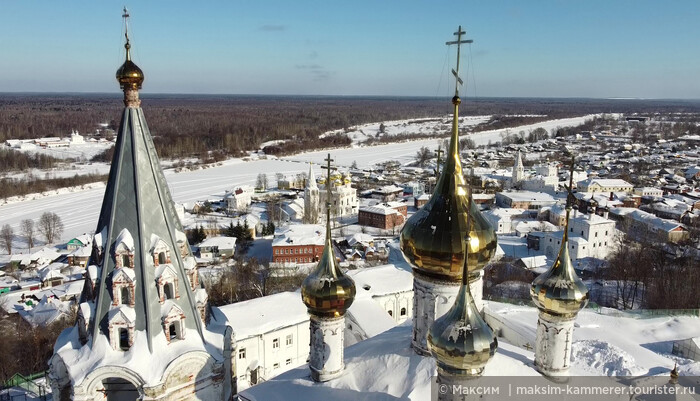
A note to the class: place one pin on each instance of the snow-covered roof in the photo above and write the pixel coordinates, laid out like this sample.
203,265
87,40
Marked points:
386,368
220,242
389,189
122,312
359,237
300,234
92,272
262,315
189,263
47,274
125,238
590,219
370,316
82,252
126,271
381,280
653,221
532,262
382,209
605,182
44,313
528,196
505,213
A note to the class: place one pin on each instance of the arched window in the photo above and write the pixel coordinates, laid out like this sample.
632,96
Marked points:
173,332
125,296
124,339
403,311
125,261
168,291
161,258
391,313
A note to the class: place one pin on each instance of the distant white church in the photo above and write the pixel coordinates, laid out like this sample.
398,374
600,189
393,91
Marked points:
544,179
343,198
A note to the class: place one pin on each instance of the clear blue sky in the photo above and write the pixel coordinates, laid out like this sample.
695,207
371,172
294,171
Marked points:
550,48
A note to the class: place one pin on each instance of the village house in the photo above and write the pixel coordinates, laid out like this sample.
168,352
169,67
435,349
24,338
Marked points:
217,248
239,199
388,193
590,235
418,202
79,257
644,226
81,241
604,185
384,215
524,200
648,191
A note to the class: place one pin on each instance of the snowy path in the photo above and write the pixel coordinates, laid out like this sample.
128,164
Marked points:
79,210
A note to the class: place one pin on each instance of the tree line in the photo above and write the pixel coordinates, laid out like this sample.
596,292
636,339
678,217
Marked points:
13,160
193,125
32,184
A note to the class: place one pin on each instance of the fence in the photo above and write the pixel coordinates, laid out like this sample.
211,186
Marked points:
26,383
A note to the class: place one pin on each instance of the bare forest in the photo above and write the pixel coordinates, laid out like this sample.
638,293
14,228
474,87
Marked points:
192,125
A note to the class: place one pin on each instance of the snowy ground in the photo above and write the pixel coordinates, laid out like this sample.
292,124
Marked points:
79,209
613,345
423,127
80,152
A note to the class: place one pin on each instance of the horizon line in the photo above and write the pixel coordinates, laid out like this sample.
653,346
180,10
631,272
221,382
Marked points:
117,94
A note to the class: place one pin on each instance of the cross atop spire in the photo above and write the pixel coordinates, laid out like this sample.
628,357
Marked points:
330,168
439,152
126,32
458,42
570,198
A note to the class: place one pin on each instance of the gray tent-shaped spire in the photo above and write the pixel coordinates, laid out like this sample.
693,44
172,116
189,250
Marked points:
137,202
144,267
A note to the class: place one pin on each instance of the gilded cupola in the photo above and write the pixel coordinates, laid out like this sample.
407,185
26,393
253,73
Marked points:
432,238
129,74
559,291
461,341
326,291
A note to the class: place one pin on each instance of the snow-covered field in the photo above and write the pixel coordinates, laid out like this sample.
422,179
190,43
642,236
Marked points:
81,152
424,127
79,209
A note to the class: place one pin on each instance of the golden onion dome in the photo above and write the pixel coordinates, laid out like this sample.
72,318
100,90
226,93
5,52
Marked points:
432,239
461,341
559,291
129,74
326,291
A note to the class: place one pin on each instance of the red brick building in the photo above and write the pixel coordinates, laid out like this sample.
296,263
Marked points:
301,243
384,216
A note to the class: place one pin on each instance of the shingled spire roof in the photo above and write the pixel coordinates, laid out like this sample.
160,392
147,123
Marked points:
138,225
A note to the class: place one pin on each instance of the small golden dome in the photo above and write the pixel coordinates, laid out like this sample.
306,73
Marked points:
326,291
559,291
129,74
460,341
432,240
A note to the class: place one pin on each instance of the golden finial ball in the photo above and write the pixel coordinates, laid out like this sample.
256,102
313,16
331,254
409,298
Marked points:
129,76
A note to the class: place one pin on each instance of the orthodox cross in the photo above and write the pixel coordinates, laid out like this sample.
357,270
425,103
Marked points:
126,24
328,167
458,42
439,152
570,198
